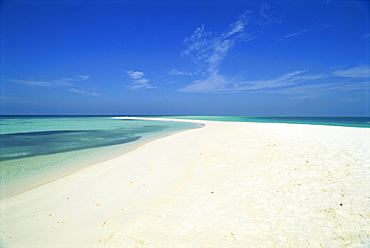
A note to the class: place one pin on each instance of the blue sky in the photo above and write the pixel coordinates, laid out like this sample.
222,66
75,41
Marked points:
185,57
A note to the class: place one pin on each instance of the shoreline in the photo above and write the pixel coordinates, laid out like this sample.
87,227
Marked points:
34,181
227,184
302,120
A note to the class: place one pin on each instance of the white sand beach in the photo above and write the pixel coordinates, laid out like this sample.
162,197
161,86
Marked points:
226,184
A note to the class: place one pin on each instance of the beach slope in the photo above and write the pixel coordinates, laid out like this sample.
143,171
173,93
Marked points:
226,184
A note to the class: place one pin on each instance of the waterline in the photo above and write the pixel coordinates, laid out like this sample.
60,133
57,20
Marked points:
311,120
38,149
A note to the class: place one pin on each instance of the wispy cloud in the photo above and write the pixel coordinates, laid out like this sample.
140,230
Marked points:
208,49
139,81
84,92
214,83
352,99
314,90
67,82
304,87
287,79
299,84
217,83
135,74
361,71
366,36
177,73
303,31
268,16
14,99
63,82
53,83
296,34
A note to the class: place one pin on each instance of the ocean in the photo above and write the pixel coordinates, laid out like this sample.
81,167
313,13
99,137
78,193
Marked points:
37,149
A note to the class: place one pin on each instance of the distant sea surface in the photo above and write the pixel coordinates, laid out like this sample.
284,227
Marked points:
315,120
37,149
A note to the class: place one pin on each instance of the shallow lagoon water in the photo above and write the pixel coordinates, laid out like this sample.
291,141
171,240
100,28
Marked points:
35,150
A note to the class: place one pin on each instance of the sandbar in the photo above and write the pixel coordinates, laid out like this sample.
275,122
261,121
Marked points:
227,184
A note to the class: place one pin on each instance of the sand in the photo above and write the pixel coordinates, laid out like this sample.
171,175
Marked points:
227,184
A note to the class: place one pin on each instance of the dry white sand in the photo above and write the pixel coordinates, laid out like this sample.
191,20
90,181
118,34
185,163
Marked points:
224,185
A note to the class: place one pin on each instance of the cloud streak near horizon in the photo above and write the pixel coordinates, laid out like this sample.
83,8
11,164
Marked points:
208,49
295,83
67,82
362,71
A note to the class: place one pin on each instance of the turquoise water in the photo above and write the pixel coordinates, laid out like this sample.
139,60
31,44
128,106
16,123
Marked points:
31,146
315,120
37,149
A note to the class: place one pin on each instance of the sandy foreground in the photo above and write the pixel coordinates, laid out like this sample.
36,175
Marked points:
227,184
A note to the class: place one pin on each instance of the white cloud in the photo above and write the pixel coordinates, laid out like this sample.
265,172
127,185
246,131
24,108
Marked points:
208,49
267,16
287,79
296,34
216,83
139,81
236,27
140,84
318,89
84,92
297,83
82,78
312,77
35,82
177,73
212,84
303,91
135,74
63,82
68,81
362,71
